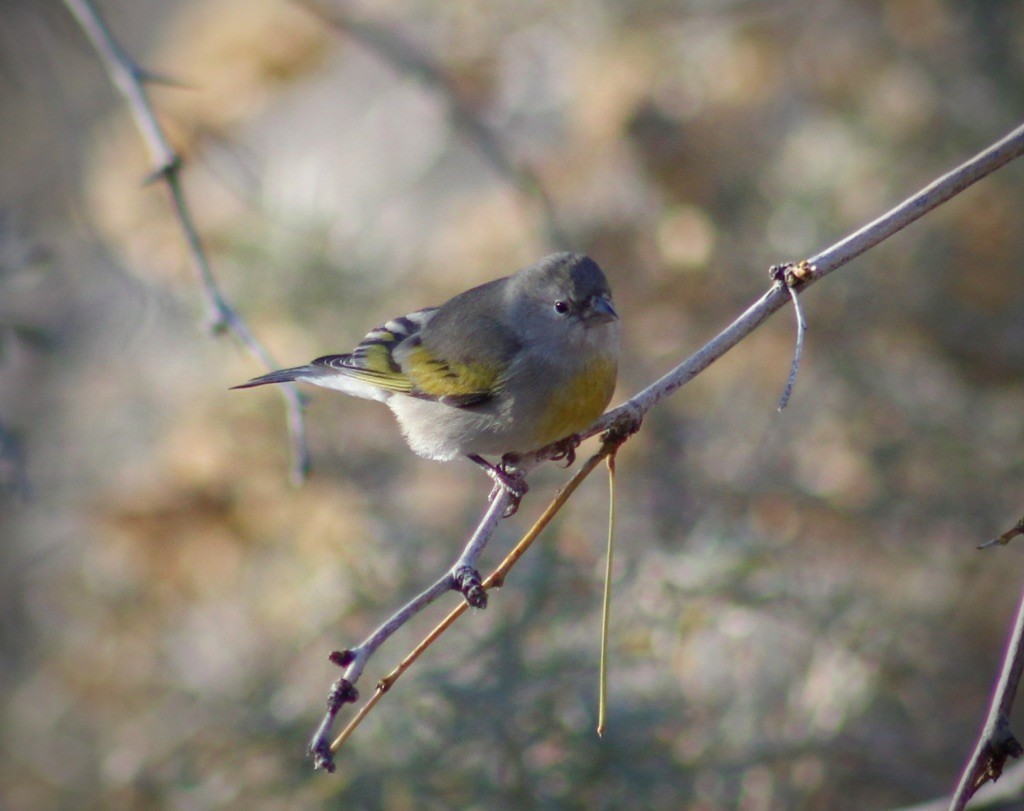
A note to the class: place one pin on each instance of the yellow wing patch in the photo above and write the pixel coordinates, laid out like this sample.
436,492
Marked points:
442,379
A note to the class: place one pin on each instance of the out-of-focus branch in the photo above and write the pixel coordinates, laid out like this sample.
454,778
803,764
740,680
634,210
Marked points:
407,58
632,412
130,79
13,465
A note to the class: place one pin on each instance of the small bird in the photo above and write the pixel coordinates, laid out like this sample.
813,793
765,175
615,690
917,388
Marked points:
502,369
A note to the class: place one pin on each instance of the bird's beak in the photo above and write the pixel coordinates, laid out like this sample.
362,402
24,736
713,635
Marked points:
601,311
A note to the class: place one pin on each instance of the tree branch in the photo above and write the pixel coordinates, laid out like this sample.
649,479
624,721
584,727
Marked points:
129,78
321,747
631,412
820,265
996,744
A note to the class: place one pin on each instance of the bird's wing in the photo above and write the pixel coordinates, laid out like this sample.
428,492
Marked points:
373,360
394,358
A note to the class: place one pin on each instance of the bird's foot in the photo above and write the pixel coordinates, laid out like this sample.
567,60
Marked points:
507,477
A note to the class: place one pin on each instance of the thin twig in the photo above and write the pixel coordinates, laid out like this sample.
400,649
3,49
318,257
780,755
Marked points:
824,263
793,276
496,579
798,349
461,577
996,743
606,604
130,80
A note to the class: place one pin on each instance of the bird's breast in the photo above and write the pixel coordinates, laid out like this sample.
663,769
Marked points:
578,401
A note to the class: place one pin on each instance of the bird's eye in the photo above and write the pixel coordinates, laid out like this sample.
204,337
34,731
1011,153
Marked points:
561,307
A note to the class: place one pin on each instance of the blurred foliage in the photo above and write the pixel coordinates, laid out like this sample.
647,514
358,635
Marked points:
801,618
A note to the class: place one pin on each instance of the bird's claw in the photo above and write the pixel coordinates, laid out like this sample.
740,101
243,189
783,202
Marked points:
508,477
513,482
566,449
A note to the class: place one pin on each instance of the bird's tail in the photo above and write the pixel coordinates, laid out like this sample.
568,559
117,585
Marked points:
329,372
280,376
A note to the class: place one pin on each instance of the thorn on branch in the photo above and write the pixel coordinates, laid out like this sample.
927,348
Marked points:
220,324
167,172
148,76
1006,537
130,79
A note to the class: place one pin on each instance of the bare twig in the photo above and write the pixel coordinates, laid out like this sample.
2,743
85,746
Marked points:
405,56
130,80
824,263
793,275
632,411
323,751
461,577
996,743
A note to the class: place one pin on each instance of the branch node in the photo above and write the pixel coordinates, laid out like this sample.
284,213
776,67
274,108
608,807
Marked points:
323,757
220,324
166,172
626,423
1002,746
793,275
998,750
342,692
466,580
342,658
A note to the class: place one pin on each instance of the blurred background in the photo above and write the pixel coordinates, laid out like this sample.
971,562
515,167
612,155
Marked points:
802,620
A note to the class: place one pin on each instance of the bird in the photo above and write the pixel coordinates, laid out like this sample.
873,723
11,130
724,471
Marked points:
502,369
